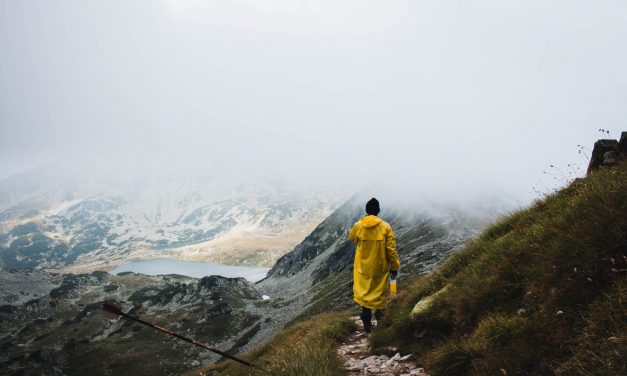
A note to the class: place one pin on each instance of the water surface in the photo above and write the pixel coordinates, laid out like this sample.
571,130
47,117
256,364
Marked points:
194,269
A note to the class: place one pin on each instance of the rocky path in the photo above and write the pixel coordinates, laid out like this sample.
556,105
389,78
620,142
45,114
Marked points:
358,360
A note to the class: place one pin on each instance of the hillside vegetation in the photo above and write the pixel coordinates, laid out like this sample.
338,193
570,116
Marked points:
305,348
541,292
62,332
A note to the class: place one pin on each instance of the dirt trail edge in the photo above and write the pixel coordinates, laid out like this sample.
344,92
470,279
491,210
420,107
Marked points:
358,360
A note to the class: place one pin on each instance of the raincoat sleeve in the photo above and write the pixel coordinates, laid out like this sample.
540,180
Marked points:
352,234
390,250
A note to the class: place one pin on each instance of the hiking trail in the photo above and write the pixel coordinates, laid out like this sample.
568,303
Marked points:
358,359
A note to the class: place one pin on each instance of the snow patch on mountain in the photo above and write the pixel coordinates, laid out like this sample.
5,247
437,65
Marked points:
81,228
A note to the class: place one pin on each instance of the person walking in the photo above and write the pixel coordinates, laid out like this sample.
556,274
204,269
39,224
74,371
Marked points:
376,260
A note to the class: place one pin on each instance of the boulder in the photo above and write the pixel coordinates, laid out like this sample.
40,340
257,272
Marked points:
601,147
417,372
610,158
220,309
424,303
622,144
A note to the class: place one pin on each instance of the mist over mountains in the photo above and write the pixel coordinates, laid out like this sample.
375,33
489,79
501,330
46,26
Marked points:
91,222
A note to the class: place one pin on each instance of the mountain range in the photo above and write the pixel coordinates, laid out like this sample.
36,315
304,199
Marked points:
52,221
57,325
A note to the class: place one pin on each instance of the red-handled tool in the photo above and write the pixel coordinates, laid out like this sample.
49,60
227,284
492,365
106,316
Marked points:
114,311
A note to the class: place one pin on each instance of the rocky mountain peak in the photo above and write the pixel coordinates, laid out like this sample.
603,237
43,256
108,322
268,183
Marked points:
608,152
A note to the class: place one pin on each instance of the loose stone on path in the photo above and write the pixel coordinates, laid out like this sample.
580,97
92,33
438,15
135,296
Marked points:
358,359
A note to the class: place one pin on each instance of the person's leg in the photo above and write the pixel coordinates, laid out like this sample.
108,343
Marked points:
366,318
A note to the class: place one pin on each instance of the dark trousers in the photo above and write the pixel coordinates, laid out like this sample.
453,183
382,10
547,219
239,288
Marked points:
366,316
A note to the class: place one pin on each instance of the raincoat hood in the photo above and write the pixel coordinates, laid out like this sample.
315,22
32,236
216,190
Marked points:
370,221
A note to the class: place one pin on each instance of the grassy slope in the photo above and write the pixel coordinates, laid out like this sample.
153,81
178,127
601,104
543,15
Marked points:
305,348
540,292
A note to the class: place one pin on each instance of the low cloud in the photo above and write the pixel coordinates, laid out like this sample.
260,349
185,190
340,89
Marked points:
427,99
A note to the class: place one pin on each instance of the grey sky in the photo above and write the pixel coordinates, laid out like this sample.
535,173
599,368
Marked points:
429,92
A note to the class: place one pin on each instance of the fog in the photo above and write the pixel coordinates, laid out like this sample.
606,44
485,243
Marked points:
442,97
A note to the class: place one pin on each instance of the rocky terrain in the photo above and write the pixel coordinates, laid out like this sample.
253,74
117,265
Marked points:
608,152
21,285
317,275
56,226
55,326
62,331
359,359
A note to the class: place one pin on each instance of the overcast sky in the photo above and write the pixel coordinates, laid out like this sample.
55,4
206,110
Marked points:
429,93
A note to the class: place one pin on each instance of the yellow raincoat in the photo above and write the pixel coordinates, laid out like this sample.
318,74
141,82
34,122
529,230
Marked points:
375,256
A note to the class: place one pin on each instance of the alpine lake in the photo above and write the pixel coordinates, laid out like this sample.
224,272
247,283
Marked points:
196,269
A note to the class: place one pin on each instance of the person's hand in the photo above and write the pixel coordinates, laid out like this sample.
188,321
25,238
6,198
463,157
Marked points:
393,274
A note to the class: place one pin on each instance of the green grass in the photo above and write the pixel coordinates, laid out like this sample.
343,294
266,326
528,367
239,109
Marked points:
305,348
540,292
